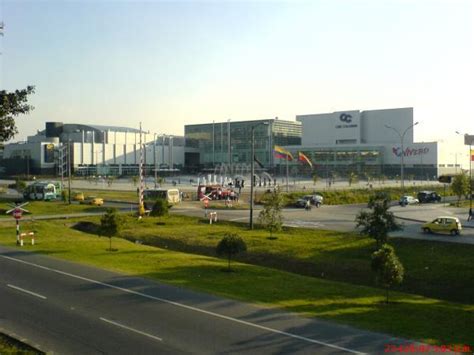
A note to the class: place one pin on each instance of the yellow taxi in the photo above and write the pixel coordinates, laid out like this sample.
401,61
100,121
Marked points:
78,196
94,201
443,224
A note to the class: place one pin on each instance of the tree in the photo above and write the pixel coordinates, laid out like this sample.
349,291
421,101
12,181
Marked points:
13,104
160,208
134,180
460,185
270,217
378,222
110,225
231,245
389,270
352,178
315,179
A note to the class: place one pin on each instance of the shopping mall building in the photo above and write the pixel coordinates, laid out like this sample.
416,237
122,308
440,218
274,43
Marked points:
338,143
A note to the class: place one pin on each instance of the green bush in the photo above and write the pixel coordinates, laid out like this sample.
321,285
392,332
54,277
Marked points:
160,208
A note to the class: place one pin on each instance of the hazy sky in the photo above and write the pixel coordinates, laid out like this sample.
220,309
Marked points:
169,63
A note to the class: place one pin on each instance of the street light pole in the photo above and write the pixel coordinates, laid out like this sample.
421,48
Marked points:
252,170
468,138
252,173
154,156
69,169
402,167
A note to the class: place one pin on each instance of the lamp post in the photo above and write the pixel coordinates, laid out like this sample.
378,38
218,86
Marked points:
154,156
468,139
252,170
402,137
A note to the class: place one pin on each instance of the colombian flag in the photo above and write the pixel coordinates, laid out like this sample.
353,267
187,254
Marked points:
472,155
282,153
303,158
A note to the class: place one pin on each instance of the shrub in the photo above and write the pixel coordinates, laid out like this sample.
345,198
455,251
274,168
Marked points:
231,245
110,225
160,208
388,268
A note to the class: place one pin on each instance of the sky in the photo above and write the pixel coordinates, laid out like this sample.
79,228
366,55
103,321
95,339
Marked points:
171,63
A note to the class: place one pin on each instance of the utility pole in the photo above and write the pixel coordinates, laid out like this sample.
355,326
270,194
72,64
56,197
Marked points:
252,171
69,169
140,172
154,157
402,136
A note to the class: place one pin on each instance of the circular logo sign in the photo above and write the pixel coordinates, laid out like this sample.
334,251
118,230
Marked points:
344,117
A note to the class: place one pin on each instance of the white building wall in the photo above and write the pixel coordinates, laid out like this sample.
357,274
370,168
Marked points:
413,154
317,129
373,124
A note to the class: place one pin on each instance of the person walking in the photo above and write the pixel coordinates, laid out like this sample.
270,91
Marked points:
469,217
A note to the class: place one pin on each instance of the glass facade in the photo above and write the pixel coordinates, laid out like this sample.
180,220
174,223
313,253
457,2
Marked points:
340,160
231,142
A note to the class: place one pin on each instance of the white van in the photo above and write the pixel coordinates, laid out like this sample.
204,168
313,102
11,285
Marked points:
173,196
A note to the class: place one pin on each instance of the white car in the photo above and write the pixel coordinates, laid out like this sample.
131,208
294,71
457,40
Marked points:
408,200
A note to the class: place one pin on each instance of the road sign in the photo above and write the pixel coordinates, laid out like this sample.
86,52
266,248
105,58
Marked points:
17,214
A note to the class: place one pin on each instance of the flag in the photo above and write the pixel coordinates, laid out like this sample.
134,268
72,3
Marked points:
472,155
282,153
303,158
259,163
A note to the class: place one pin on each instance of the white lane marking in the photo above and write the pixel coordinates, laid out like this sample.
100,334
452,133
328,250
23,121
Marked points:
217,315
26,291
131,329
238,219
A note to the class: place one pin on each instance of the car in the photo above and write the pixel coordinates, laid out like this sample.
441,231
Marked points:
94,201
428,196
315,200
408,200
443,224
78,196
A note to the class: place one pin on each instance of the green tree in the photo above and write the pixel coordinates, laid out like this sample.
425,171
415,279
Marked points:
352,178
135,180
159,180
20,185
315,178
13,104
378,221
231,245
160,208
110,225
460,185
389,270
271,217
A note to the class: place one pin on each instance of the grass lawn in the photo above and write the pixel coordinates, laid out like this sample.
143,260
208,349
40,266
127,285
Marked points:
12,346
128,196
417,317
432,268
51,207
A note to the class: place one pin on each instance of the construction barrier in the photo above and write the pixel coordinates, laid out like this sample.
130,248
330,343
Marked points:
29,234
212,216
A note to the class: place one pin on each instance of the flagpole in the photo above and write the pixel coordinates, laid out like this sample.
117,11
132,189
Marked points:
287,173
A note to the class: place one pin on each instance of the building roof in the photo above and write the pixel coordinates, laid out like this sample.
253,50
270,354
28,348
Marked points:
104,128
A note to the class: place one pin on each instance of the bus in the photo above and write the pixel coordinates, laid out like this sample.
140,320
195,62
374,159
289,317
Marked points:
151,195
43,190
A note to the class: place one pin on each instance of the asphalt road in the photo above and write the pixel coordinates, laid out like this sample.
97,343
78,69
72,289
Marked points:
66,308
342,218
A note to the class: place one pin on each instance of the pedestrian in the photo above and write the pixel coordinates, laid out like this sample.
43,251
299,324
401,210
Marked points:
308,205
469,217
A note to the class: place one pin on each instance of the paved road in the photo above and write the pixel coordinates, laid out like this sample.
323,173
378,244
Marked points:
65,308
342,217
